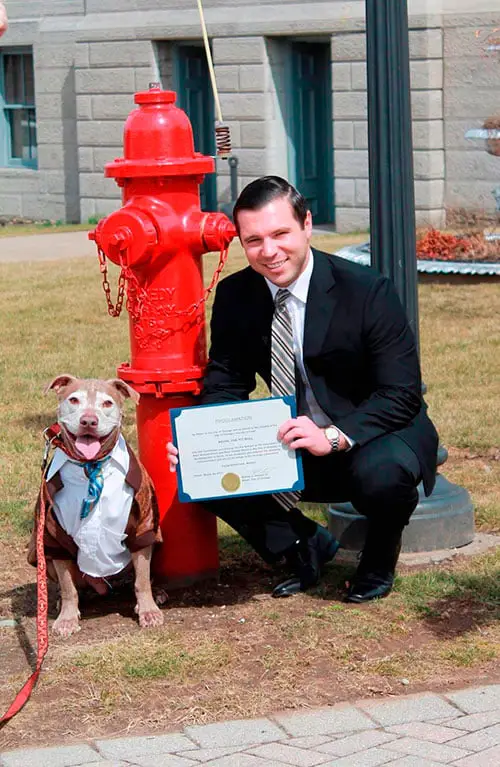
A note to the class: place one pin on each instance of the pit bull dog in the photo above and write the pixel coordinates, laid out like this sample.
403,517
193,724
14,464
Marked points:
101,508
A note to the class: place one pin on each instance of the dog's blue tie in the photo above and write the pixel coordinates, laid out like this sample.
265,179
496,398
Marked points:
93,470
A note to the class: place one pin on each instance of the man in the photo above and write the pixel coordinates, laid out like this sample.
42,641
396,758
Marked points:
363,430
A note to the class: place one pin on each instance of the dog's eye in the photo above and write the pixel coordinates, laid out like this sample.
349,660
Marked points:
107,403
74,401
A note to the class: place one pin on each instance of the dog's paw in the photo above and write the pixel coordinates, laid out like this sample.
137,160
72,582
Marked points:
65,627
149,618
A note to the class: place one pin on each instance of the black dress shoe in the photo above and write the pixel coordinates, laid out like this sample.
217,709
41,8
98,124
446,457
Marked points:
374,577
370,586
307,559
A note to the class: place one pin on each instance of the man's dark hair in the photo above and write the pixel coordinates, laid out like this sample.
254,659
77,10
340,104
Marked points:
266,189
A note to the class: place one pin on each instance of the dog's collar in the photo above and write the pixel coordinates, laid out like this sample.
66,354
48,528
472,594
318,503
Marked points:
51,432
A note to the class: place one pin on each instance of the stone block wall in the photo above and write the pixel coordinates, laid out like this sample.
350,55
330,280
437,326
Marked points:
471,94
241,73
254,105
20,10
50,191
350,131
107,74
91,56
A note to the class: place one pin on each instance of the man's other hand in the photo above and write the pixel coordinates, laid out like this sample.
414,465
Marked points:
172,455
303,433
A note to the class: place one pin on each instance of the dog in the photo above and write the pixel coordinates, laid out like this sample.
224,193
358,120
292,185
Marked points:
101,509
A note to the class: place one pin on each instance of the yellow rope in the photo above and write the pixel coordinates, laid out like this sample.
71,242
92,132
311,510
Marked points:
210,64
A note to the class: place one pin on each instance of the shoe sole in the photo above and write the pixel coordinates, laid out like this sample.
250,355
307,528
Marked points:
361,600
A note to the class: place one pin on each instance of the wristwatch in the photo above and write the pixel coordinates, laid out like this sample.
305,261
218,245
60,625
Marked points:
333,436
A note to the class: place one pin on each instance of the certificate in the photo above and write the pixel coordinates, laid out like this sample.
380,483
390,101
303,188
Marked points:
232,449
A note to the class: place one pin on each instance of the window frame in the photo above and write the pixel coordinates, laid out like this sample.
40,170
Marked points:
6,159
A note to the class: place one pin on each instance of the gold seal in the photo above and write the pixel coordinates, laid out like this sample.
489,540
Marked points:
230,482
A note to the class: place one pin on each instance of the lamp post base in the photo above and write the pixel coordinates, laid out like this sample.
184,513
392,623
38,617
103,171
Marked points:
443,520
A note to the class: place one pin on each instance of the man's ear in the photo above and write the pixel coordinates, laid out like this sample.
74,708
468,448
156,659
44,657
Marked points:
124,389
308,223
59,383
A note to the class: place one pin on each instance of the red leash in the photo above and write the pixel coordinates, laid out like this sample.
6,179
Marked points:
42,627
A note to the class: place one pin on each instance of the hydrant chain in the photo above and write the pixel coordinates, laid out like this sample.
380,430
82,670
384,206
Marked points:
137,295
114,310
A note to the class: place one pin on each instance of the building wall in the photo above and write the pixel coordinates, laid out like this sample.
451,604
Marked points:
471,94
350,127
107,74
51,191
92,55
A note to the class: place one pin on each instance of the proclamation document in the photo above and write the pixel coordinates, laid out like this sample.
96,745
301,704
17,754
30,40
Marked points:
232,449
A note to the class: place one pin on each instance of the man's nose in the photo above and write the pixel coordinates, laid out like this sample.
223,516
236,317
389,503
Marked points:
268,248
89,420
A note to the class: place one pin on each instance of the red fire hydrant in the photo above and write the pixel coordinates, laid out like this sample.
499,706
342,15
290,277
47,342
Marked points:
158,237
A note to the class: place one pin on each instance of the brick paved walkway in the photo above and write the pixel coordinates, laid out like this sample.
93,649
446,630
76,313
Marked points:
427,730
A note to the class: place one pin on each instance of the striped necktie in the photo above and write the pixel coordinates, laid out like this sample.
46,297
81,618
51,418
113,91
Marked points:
283,368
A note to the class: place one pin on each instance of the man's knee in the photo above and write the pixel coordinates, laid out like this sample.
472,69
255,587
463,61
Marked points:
386,479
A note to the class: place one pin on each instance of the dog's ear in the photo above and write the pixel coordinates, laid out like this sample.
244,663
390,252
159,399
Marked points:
60,382
124,389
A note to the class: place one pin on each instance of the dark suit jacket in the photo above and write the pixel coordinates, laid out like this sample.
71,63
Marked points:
359,353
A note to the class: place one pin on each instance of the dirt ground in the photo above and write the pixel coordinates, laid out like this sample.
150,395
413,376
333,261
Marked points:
227,650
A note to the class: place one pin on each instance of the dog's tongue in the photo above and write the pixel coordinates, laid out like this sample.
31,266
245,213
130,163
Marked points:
88,446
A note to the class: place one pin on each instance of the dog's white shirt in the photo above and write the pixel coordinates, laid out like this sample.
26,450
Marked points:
100,536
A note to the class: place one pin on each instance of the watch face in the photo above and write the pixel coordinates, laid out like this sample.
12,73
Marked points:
332,433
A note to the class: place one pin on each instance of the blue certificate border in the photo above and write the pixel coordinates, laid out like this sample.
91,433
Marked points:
185,498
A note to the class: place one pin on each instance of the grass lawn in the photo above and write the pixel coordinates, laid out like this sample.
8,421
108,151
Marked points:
227,650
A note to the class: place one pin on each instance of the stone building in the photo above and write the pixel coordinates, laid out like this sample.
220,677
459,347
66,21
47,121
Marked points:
292,83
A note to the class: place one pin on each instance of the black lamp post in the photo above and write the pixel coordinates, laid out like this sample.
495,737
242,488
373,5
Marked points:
390,150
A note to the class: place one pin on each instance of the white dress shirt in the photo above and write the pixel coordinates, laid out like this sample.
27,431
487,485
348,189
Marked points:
296,306
100,536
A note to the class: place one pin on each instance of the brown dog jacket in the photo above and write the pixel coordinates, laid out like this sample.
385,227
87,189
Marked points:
142,528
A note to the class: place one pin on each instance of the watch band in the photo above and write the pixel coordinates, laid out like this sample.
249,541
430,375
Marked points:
334,441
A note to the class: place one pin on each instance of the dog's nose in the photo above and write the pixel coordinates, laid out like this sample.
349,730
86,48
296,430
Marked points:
89,420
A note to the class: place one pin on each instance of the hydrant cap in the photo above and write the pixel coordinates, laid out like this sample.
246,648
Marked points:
157,130
155,96
158,140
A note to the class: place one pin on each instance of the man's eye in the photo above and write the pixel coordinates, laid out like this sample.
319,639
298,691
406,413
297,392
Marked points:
107,403
74,401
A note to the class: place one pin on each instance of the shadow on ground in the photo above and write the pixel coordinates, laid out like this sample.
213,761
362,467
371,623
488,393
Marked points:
472,601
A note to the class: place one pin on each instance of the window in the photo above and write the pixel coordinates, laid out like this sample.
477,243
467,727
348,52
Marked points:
17,109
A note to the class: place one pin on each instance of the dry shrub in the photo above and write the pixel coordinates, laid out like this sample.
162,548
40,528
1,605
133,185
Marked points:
442,246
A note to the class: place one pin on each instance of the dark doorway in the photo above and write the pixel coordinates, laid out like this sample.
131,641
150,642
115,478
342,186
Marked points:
311,112
195,97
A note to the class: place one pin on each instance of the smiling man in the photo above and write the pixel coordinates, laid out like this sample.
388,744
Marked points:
334,334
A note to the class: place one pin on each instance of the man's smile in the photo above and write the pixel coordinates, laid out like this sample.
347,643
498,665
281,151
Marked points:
276,265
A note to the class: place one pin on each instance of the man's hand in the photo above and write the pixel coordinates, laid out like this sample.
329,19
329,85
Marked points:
303,433
172,455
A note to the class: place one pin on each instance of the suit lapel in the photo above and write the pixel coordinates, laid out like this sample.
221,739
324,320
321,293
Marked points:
321,304
262,300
